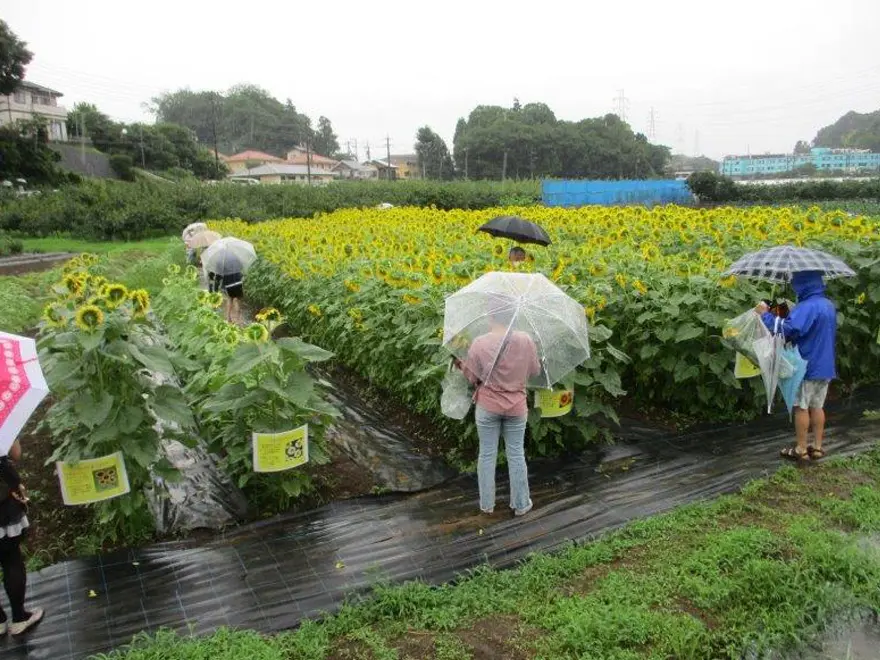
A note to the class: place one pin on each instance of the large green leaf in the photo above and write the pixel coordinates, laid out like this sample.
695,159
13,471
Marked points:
299,388
154,358
93,411
245,358
687,331
169,404
307,352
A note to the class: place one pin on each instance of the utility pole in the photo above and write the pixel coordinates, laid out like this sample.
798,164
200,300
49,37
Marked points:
82,138
504,168
143,158
369,157
621,103
214,133
696,143
652,125
388,153
309,161
465,163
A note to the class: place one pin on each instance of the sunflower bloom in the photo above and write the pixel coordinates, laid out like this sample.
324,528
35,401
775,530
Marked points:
55,315
256,333
140,298
315,311
114,295
89,318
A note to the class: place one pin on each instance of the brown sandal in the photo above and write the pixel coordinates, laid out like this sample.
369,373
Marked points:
792,454
815,453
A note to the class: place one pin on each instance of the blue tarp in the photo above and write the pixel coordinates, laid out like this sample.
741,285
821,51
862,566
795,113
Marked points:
608,193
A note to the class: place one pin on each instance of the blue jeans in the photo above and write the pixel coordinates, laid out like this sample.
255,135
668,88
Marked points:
490,426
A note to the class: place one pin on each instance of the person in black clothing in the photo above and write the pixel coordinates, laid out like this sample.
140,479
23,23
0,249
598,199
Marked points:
13,524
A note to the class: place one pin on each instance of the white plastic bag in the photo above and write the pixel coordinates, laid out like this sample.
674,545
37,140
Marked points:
456,400
741,333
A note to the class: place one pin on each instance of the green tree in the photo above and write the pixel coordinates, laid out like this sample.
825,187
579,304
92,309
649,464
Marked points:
528,141
245,117
324,140
14,57
25,153
435,160
802,147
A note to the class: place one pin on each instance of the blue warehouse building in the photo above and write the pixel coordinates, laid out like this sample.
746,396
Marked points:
843,160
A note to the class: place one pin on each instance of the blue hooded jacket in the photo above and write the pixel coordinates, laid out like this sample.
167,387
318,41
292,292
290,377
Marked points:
811,326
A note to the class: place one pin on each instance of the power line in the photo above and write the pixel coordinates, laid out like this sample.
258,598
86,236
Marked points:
621,105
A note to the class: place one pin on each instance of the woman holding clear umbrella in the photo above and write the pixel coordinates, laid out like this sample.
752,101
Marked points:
500,364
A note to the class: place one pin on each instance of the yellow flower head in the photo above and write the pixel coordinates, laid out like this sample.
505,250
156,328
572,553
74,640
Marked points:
231,337
114,295
192,273
639,286
55,315
860,299
352,286
270,315
728,281
411,300
256,333
140,298
173,269
315,311
88,259
89,318
73,284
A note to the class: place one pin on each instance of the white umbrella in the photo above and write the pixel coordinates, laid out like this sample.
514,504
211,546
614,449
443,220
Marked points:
202,239
193,229
228,256
22,386
521,303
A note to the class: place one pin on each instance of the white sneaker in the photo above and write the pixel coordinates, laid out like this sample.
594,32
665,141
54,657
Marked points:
523,511
23,626
4,627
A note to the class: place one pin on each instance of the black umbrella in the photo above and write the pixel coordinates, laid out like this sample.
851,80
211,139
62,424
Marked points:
517,229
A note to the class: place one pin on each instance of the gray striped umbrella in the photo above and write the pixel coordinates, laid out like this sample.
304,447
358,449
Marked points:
778,264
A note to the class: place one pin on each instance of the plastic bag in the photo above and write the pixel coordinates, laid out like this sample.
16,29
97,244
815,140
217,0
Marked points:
789,386
741,333
456,400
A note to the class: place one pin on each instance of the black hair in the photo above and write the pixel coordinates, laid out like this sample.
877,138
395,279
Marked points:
516,251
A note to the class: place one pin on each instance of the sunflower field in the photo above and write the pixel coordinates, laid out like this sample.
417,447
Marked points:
369,285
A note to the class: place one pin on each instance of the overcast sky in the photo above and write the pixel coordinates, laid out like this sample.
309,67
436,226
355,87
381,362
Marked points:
722,76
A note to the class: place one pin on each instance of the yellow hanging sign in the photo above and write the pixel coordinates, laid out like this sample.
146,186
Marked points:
93,480
554,403
745,368
276,452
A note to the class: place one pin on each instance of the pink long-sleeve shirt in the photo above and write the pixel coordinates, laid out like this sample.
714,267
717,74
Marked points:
505,391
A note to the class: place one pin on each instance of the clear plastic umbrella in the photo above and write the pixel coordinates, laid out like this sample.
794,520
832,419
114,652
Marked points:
203,239
193,229
778,264
771,359
228,256
511,303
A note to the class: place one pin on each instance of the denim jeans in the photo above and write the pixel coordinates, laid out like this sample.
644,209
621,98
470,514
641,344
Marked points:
489,427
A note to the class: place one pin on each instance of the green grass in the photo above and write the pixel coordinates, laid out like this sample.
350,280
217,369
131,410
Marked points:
63,244
743,574
138,265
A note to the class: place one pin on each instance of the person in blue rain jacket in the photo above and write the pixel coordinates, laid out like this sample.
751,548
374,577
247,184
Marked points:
812,328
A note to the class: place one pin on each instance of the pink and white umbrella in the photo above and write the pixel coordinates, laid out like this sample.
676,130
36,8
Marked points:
22,386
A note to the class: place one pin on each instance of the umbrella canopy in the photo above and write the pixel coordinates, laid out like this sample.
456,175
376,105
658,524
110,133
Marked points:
193,229
203,239
778,264
509,303
517,229
228,256
22,386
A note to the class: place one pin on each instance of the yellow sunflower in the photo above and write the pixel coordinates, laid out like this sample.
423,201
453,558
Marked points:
55,315
114,295
140,298
89,318
256,333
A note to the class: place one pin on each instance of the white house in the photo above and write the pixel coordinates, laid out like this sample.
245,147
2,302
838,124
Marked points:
351,169
285,173
30,101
